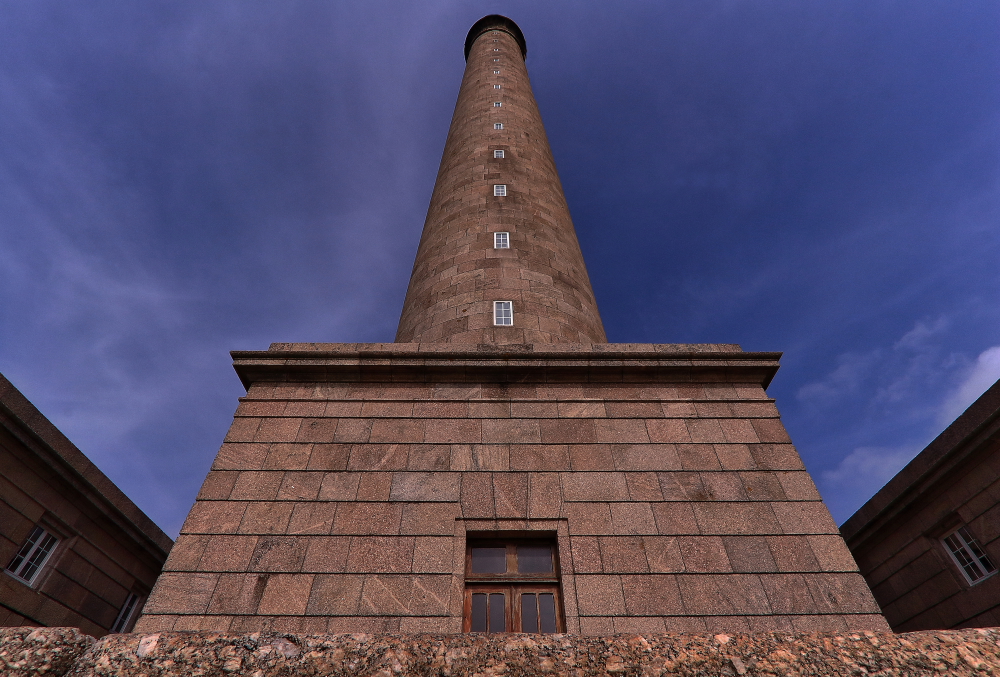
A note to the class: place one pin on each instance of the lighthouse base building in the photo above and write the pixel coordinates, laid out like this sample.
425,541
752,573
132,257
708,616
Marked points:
427,488
501,467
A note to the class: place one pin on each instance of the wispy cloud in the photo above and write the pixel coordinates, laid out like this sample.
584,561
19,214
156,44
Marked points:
862,473
916,364
980,375
888,404
851,372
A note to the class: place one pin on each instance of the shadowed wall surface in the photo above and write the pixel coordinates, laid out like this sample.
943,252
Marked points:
107,548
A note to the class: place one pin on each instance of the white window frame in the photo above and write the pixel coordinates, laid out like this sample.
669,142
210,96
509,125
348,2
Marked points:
32,556
496,86
126,613
498,154
497,125
503,313
496,72
497,104
968,556
501,240
500,190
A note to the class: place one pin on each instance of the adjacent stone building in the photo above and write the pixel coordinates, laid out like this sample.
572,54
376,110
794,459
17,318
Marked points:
76,551
929,541
501,467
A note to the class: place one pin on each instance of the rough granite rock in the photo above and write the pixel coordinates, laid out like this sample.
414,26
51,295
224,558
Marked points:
31,651
962,652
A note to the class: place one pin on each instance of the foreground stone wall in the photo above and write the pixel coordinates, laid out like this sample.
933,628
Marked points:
64,651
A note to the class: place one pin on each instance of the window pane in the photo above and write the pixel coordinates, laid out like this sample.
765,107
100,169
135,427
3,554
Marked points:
534,559
976,551
497,615
25,549
503,313
479,612
125,614
529,613
489,560
547,607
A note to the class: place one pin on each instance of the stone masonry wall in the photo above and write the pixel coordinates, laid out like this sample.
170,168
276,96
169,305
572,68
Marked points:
342,506
458,274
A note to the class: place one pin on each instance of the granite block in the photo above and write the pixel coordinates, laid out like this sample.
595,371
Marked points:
326,554
623,554
651,595
594,486
335,594
632,518
380,554
600,595
228,553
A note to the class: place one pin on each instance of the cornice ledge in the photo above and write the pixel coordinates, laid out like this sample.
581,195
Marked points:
603,363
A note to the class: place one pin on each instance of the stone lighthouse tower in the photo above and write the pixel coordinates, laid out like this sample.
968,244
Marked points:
498,229
501,467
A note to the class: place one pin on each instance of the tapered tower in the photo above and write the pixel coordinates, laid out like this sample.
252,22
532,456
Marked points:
498,228
500,467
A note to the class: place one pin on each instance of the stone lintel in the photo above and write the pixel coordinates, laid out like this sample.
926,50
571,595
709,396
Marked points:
515,363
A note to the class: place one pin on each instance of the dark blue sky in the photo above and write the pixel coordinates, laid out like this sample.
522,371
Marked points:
180,179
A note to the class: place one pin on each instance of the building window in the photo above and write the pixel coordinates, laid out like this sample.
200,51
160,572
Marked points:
124,620
496,72
496,86
497,125
32,556
968,555
512,586
498,153
497,104
497,59
503,313
501,240
500,190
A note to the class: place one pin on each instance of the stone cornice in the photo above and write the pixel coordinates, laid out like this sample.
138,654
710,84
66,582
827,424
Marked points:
516,363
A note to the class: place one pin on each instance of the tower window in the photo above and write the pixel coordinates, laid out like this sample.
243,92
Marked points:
127,612
500,190
503,313
497,125
32,556
496,49
512,586
496,86
497,59
968,555
497,104
496,72
501,240
498,153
